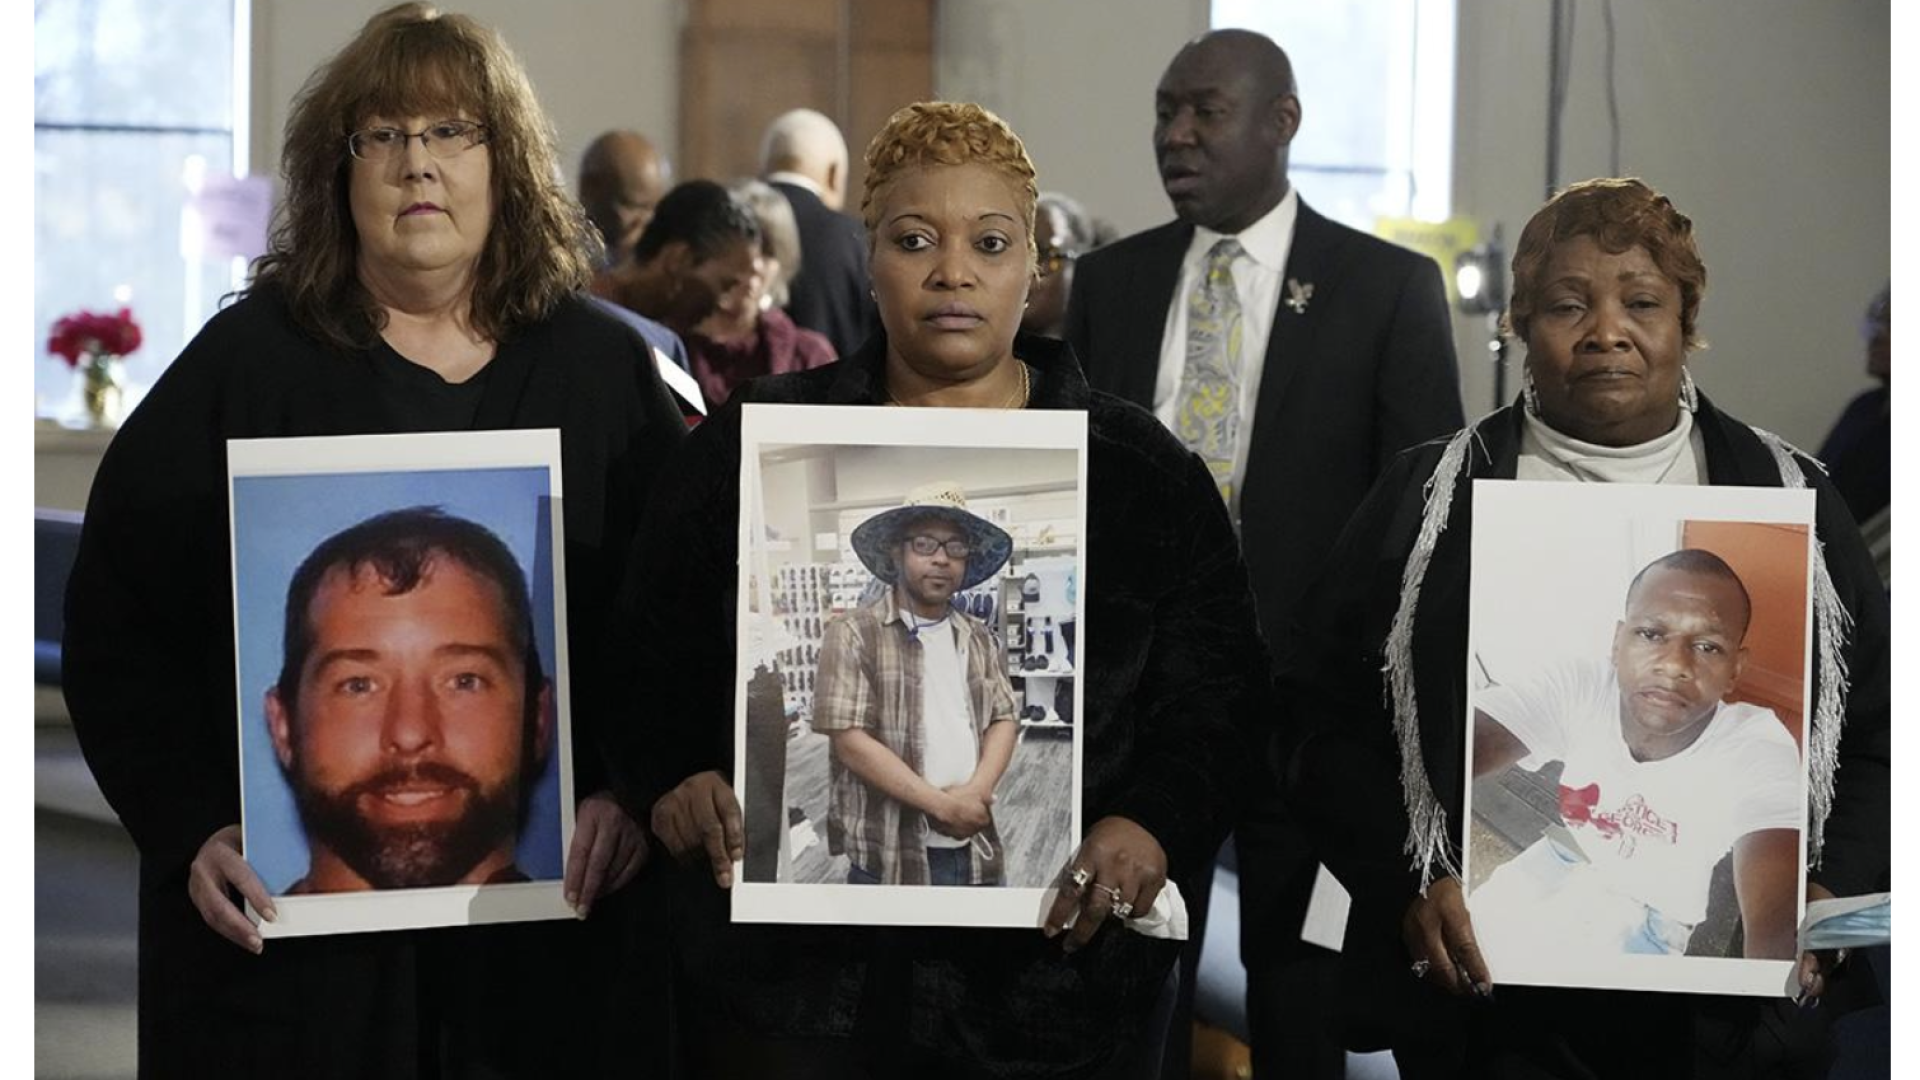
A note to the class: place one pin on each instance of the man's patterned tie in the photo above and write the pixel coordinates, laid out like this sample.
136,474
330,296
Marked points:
1208,417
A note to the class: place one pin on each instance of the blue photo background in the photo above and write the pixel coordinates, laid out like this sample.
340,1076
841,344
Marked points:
278,520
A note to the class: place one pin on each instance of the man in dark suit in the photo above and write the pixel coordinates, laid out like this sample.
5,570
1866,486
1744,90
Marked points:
804,157
1296,356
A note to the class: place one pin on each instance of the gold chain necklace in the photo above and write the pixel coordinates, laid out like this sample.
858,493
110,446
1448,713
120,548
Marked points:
1018,400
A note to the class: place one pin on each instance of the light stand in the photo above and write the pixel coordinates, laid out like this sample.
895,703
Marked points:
1480,279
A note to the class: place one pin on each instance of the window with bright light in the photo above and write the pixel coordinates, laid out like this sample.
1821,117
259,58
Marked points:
135,102
1376,102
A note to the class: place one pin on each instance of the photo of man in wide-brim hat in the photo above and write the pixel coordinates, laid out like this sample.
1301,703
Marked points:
914,696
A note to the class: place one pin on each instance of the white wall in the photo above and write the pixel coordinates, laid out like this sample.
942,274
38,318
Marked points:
595,64
1766,121
1075,78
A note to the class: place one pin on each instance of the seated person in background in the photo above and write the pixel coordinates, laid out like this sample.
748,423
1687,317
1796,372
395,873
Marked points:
1662,779
1858,452
400,788
748,335
913,776
1063,231
699,246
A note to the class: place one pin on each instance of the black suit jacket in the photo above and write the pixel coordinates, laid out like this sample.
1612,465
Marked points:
830,294
1365,371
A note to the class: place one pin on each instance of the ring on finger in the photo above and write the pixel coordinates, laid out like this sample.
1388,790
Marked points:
1080,876
1113,894
1122,909
1421,967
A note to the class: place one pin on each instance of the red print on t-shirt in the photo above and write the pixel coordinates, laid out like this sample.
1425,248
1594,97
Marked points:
1579,806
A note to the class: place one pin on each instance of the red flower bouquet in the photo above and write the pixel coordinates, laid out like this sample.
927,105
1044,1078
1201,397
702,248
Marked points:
93,336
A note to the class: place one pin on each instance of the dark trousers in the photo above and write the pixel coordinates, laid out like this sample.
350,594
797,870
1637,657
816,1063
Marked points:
726,1050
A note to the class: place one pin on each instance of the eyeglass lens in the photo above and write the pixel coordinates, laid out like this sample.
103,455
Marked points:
441,141
927,545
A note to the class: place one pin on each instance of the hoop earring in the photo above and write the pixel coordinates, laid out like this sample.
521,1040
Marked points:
1689,394
1529,395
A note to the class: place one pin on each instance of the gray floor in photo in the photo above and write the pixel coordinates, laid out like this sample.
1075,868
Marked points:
1033,809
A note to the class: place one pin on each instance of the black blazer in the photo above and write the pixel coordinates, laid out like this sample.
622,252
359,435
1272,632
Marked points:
830,294
1365,371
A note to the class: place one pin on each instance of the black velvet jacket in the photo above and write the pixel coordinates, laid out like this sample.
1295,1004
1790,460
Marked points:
1176,701
1344,778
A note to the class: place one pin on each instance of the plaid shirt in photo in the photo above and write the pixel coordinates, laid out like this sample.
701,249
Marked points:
869,679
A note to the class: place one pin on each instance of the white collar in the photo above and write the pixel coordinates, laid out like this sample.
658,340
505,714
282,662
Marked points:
1266,240
797,180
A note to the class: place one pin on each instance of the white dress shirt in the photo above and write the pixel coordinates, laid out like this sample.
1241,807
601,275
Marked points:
1257,275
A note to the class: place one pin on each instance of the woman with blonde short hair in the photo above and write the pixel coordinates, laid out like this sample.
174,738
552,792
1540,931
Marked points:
1174,689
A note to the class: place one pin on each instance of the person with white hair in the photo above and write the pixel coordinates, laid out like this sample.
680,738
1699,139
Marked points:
804,156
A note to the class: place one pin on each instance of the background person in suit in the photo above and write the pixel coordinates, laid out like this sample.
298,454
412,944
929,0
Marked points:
1296,356
804,156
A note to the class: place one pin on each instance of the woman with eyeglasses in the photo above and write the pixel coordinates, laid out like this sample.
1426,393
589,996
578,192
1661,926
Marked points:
424,275
1174,686
1062,232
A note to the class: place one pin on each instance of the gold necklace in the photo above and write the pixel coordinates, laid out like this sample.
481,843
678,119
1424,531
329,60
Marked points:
1018,400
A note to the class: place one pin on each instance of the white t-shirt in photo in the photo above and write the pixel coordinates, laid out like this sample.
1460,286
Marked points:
952,749
1653,830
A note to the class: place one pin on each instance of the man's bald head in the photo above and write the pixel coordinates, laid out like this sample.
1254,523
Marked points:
1243,52
806,142
622,177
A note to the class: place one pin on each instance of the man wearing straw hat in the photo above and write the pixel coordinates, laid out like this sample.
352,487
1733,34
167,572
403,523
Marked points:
914,696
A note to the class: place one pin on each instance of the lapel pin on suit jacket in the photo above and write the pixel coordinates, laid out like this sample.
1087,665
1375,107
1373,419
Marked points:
1298,293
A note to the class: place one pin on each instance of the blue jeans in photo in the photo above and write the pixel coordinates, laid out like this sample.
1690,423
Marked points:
947,866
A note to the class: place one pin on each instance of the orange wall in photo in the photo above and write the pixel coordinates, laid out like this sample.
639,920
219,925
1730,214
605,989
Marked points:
1772,562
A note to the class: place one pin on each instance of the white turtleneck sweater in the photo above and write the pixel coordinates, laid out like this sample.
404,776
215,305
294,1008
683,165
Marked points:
1678,457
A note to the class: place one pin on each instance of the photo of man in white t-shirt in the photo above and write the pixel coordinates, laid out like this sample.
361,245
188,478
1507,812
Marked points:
1662,779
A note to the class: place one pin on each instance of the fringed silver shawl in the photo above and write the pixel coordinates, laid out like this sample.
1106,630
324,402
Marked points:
1427,836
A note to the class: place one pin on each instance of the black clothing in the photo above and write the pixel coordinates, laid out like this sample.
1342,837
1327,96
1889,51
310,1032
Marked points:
150,683
831,292
1175,707
1365,370
1859,453
1343,777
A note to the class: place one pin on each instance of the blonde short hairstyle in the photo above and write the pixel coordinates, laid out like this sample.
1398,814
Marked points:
947,133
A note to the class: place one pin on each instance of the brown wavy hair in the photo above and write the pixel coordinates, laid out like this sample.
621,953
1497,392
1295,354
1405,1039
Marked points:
1618,214
414,60
947,133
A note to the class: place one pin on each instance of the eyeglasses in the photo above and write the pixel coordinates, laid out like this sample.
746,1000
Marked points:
1054,260
443,140
927,545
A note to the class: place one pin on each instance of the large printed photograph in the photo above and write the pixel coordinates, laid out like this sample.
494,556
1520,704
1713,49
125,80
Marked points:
402,678
1638,665
907,744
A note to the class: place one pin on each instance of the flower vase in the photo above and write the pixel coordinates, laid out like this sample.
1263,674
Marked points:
103,390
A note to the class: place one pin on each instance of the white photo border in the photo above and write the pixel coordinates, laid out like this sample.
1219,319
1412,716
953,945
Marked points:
455,905
1503,511
852,425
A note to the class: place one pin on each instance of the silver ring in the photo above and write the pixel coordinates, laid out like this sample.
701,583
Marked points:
1421,967
1080,877
1122,909
1113,895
